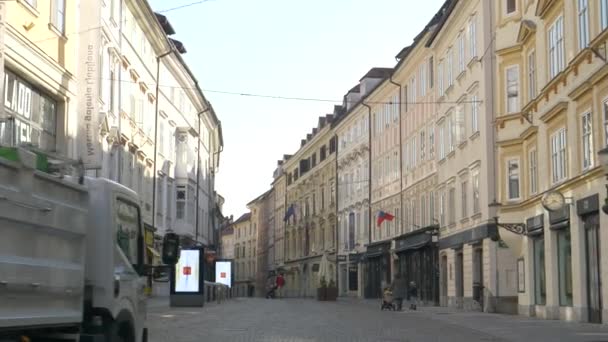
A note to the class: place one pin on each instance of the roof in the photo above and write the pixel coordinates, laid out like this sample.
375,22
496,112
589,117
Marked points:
227,231
440,18
259,198
243,218
378,73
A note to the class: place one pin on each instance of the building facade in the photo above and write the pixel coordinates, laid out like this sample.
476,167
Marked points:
227,249
552,115
260,222
310,230
244,255
352,130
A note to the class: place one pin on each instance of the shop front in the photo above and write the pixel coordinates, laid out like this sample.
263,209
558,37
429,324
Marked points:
418,262
377,271
588,211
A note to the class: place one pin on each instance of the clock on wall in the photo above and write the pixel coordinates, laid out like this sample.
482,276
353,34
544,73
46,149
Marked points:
553,200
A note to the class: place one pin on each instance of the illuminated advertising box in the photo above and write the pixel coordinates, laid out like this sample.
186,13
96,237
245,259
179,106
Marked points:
187,278
223,272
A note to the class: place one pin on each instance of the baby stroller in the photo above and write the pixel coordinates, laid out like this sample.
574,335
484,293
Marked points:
387,300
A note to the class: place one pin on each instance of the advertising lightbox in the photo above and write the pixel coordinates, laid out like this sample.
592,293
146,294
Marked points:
188,272
223,272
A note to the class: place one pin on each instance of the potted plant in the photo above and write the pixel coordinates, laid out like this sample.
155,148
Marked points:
322,290
332,291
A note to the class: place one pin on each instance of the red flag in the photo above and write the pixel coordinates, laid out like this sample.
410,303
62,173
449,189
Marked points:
384,216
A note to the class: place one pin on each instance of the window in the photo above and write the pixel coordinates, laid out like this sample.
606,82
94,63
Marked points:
413,90
533,170
432,207
422,80
440,78
450,68
587,141
564,260
583,23
431,73
513,179
115,10
451,133
180,208
442,208
460,126
558,156
422,145
423,211
512,77
473,37
474,114
128,230
32,3
540,280
441,142
464,188
511,6
531,76
556,47
58,15
452,203
460,53
431,142
475,179
604,13
406,157
414,151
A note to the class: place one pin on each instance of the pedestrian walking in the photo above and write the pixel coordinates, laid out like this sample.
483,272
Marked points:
399,290
271,287
280,283
413,292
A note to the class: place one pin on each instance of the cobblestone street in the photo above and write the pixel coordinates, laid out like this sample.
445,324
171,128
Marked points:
254,319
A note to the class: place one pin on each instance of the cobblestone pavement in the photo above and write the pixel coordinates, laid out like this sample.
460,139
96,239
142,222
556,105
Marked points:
303,320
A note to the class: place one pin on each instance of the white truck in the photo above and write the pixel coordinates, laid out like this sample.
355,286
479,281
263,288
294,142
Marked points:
71,255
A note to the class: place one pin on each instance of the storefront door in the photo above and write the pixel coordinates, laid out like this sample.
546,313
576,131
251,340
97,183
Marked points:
594,280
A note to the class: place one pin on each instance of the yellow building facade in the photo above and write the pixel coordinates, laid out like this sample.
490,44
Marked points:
552,119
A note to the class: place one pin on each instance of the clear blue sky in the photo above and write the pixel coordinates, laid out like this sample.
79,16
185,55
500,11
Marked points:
311,49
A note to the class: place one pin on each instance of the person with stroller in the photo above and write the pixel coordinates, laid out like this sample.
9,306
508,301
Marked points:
399,290
413,292
271,287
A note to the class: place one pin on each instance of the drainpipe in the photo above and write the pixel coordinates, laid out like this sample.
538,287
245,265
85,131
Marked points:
399,154
369,172
337,234
158,58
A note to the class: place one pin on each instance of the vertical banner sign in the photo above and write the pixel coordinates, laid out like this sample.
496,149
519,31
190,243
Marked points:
2,76
89,146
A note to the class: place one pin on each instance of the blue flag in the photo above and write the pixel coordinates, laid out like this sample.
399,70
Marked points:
291,211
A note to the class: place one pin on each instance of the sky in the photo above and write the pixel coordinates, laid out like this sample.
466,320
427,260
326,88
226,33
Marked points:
315,49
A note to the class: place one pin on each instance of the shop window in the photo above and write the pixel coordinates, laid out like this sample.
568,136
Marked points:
564,259
540,280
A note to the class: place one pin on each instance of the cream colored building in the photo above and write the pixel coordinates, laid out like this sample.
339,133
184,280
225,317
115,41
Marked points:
279,185
244,254
38,73
310,189
260,222
552,118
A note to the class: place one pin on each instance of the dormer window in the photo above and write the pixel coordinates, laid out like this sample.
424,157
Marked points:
511,6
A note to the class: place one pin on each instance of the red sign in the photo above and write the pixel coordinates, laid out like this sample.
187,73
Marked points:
187,270
222,274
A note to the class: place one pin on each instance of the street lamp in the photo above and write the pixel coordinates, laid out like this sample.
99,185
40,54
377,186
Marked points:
603,157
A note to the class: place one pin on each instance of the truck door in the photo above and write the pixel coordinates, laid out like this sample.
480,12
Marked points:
129,263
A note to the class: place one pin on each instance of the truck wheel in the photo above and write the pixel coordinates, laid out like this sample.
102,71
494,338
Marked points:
120,332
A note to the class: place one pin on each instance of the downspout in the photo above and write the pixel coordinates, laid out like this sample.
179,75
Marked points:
154,172
369,172
120,150
399,154
337,234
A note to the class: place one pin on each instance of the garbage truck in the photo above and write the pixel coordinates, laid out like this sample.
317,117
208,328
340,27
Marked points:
72,253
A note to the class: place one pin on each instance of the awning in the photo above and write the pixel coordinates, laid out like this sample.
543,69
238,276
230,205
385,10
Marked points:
413,242
153,251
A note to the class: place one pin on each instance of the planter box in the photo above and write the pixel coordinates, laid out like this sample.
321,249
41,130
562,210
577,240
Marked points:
332,293
321,293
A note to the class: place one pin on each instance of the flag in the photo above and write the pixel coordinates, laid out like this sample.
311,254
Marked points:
383,216
291,211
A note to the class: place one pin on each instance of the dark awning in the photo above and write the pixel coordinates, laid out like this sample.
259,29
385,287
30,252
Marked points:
413,242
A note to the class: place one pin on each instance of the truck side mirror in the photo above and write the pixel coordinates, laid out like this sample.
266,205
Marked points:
170,249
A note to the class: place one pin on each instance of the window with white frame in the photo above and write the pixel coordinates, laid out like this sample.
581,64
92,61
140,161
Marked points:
583,23
533,171
431,142
442,208
512,77
464,189
606,123
423,221
513,179
451,133
440,84
556,47
441,141
452,205
473,37
406,157
531,75
422,145
414,152
450,67
474,114
432,207
460,53
587,130
460,122
413,90
558,156
475,181
423,80
58,15
604,14
395,108
431,73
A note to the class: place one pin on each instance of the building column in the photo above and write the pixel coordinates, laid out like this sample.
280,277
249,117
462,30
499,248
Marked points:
451,277
490,271
552,309
579,272
468,302
526,305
